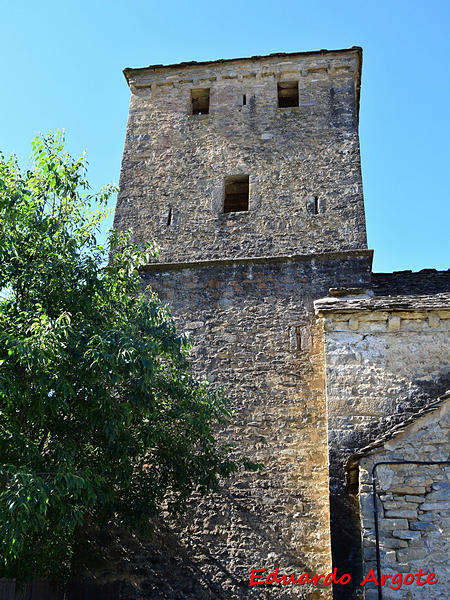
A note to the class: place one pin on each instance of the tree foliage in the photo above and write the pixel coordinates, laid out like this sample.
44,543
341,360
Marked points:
100,420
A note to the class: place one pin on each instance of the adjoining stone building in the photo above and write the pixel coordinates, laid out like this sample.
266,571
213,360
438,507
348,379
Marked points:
409,466
247,174
386,364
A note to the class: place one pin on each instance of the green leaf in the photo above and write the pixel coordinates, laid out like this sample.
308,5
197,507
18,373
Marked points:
100,418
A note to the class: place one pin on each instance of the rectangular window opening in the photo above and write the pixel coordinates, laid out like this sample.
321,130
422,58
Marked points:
169,217
244,100
316,205
287,94
200,101
236,193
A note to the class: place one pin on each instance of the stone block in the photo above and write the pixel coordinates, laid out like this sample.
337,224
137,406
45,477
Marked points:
391,524
433,320
390,557
429,516
414,499
392,543
441,485
439,506
406,534
408,489
353,323
396,505
422,526
401,513
394,323
436,495
411,554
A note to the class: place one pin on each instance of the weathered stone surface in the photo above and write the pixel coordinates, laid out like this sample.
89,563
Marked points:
419,526
387,542
439,506
391,524
244,282
175,163
407,514
278,395
308,393
405,534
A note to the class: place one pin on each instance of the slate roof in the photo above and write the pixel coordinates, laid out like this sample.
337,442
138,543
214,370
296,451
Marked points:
428,289
388,303
426,281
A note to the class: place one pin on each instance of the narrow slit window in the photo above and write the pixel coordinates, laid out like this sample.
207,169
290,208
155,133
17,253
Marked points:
169,217
236,193
244,99
298,338
200,101
316,205
287,94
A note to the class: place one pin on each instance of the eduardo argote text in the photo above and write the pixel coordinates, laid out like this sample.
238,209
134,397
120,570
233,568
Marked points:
394,581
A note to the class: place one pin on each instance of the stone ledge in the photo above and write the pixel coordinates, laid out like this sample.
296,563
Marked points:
258,260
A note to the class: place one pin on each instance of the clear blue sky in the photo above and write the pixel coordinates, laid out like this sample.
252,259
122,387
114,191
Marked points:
62,63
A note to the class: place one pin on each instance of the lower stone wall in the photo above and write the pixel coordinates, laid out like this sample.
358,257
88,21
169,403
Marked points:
244,319
254,332
414,509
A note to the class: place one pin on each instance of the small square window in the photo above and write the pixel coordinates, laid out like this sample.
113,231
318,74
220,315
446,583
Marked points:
287,94
200,101
236,193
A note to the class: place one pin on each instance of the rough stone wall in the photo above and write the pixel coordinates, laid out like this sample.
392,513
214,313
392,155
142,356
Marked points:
381,366
251,299
413,505
242,316
175,162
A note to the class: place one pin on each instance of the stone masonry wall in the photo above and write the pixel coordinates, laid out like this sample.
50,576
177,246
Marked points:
175,162
249,304
414,508
242,315
381,366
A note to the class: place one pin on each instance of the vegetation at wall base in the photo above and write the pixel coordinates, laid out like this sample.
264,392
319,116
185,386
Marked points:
101,422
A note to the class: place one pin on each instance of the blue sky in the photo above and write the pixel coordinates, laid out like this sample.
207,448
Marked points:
62,63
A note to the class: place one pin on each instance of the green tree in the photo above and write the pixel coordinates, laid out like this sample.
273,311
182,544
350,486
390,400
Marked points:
100,420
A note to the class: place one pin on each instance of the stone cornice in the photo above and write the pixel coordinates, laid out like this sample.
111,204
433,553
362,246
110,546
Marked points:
131,72
258,260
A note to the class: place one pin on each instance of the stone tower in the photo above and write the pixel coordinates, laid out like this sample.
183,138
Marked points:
247,174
